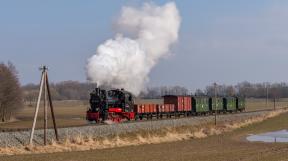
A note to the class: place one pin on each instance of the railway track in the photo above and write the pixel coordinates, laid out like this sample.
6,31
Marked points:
135,121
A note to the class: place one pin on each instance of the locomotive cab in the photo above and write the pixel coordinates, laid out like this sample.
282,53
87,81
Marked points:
120,99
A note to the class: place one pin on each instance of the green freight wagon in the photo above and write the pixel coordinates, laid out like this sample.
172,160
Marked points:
240,104
216,103
229,104
200,104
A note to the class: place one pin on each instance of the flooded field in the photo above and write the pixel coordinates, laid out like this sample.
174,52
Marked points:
270,137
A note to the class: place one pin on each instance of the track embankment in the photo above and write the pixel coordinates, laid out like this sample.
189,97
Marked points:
134,133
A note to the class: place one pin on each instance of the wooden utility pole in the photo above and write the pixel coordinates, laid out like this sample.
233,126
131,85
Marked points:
215,104
274,100
44,85
267,94
45,111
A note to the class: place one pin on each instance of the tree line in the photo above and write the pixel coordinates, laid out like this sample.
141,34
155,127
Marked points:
243,89
249,90
66,90
73,90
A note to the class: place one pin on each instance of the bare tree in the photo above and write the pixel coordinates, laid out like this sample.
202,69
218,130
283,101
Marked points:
10,92
199,92
230,91
158,92
30,96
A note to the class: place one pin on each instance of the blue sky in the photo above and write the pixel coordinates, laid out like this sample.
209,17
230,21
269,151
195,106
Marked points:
221,41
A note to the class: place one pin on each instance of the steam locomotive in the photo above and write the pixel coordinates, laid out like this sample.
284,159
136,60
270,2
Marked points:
118,105
115,105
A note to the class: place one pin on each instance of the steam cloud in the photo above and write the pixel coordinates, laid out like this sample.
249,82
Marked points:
125,62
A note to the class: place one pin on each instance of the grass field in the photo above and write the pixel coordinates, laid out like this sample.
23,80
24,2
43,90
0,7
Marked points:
68,113
72,113
258,104
230,146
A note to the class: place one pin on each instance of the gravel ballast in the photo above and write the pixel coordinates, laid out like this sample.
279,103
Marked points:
9,139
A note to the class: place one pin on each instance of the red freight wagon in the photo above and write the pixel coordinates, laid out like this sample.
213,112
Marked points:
181,103
149,109
187,103
153,108
171,108
145,108
138,109
160,108
168,108
165,108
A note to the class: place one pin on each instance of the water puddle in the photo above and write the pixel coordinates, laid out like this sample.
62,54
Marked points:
270,137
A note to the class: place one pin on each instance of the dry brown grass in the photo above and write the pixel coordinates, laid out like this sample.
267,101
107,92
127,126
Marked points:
81,143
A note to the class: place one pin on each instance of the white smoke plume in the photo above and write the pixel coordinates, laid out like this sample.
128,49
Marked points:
125,62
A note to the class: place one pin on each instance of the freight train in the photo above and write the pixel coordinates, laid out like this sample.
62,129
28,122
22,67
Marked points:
118,105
